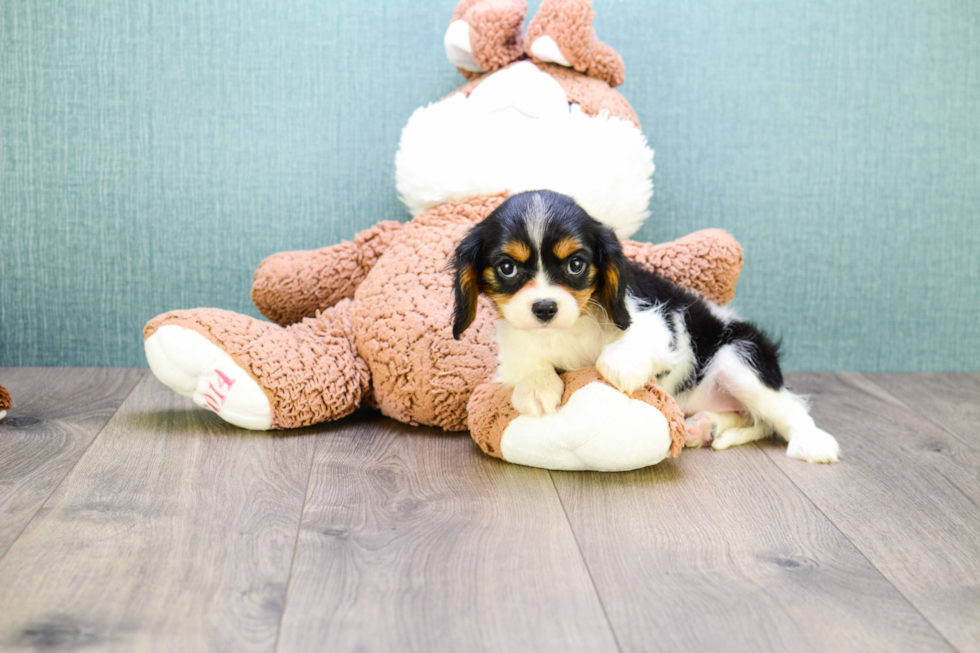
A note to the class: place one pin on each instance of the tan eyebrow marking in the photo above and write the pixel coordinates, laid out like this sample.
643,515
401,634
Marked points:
566,247
517,251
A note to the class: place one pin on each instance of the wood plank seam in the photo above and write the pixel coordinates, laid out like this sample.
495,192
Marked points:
72,468
585,563
855,546
299,530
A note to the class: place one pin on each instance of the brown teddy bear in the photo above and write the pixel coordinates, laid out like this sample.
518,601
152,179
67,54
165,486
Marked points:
368,322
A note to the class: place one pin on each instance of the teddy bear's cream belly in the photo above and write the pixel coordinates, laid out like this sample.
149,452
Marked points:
402,315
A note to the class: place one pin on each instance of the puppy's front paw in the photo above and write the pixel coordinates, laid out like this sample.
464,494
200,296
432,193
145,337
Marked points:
813,445
538,394
624,369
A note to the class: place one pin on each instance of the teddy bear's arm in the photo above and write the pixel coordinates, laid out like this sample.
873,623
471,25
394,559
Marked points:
292,285
707,261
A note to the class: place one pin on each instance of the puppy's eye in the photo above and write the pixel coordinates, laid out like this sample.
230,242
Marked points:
576,266
507,270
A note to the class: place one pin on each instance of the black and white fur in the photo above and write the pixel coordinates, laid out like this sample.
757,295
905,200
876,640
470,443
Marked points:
594,307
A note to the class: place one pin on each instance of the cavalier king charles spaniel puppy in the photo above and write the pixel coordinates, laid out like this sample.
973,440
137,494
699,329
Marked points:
567,298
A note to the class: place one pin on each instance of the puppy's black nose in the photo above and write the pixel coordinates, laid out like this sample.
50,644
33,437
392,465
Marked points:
544,309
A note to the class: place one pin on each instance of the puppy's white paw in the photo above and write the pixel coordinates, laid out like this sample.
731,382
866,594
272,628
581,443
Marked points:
813,445
626,370
538,394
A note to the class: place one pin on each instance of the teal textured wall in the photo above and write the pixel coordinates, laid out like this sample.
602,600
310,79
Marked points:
152,153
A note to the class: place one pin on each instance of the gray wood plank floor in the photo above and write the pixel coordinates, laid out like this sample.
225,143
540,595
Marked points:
411,542
132,521
951,401
58,413
908,497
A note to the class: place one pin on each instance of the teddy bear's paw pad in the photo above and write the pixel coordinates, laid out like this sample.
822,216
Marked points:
598,428
3,414
194,367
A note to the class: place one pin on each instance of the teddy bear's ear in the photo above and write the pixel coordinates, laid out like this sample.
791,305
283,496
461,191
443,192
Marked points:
562,33
485,35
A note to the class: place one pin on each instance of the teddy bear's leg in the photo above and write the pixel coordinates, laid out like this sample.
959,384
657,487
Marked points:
562,33
259,375
289,286
194,367
597,427
485,35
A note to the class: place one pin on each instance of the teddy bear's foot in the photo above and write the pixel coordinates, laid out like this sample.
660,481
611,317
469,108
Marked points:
597,427
562,33
194,367
485,36
260,375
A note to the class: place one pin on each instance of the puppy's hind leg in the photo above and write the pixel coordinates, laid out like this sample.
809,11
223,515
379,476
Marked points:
780,410
742,435
705,426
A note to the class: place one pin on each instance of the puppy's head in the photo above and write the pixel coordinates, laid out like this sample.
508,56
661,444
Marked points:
543,261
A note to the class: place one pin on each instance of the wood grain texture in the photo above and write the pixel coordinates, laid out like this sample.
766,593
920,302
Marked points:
907,494
412,540
717,551
57,413
950,400
174,532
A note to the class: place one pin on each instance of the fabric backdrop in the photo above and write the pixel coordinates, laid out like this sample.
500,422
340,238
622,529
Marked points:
153,152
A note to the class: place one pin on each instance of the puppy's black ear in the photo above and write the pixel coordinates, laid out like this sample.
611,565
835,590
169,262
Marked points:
466,285
613,279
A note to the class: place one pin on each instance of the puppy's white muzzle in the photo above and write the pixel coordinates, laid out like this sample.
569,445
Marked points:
539,306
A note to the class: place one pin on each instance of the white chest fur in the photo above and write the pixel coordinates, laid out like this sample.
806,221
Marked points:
574,348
